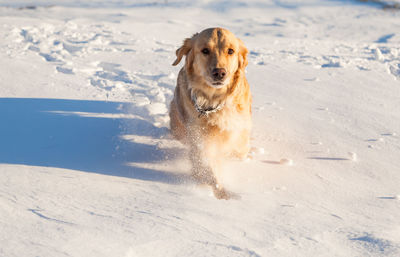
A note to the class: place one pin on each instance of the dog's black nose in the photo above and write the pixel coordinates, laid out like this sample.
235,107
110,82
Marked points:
218,73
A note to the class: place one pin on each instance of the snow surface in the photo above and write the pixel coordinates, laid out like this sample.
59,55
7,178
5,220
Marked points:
88,168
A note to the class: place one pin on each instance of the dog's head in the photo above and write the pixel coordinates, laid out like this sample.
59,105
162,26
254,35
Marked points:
214,55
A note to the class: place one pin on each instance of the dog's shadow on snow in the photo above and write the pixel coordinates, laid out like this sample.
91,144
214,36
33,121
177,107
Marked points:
82,135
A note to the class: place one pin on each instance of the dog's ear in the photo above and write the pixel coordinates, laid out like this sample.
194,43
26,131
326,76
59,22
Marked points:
242,55
184,49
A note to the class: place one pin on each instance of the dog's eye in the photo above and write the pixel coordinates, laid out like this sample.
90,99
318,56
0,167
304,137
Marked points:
230,51
205,51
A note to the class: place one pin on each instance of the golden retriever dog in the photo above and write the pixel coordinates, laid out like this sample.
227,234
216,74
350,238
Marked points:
211,108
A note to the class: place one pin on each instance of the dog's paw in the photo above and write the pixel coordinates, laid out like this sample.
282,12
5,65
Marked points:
221,193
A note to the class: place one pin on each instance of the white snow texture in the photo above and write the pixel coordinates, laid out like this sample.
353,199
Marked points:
88,168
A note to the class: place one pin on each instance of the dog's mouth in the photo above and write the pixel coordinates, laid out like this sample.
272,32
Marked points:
218,84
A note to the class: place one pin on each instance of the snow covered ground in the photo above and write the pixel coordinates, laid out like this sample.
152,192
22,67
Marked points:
87,167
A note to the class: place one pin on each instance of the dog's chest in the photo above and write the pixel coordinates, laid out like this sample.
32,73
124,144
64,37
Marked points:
227,119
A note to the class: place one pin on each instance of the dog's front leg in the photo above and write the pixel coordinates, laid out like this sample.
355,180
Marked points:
201,171
206,165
